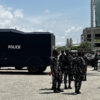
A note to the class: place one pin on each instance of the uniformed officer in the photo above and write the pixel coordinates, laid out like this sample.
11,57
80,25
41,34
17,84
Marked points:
68,70
63,66
78,65
85,68
55,69
95,62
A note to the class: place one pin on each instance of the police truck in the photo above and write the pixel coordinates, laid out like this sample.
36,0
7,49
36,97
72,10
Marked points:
26,49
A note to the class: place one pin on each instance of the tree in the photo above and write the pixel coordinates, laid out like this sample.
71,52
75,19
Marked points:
84,47
61,48
74,47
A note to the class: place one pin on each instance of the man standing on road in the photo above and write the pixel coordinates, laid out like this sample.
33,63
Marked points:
63,66
86,65
68,74
95,62
78,65
55,69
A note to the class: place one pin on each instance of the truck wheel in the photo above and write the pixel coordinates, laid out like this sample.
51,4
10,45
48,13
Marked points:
34,65
42,69
18,67
33,69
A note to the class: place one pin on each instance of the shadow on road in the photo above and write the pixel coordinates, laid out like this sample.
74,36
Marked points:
46,89
69,93
47,93
21,72
99,87
62,93
11,69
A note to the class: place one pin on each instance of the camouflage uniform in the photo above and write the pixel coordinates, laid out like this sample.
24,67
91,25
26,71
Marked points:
63,66
69,71
95,62
85,68
56,74
78,66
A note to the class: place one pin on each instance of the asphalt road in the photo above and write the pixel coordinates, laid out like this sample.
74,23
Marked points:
20,85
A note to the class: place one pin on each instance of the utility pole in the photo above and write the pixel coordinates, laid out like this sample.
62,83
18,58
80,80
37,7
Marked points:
92,25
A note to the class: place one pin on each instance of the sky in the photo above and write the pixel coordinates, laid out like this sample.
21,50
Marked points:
64,18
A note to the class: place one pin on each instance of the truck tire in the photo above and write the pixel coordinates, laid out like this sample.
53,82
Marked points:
18,67
33,69
42,69
35,65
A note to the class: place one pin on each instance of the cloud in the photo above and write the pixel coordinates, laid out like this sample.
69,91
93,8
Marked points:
5,17
74,32
70,29
5,14
73,28
9,18
18,13
56,23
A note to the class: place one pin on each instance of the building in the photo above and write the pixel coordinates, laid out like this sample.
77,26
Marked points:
86,36
96,8
69,42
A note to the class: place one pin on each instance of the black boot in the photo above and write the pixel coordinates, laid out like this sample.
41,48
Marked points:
52,88
60,90
56,91
75,91
65,87
69,87
78,92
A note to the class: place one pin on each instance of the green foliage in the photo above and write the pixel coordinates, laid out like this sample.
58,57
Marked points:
96,40
85,47
68,49
61,48
74,47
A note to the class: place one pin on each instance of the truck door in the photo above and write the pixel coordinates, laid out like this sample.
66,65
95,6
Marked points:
3,49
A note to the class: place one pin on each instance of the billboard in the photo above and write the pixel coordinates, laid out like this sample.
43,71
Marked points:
97,12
